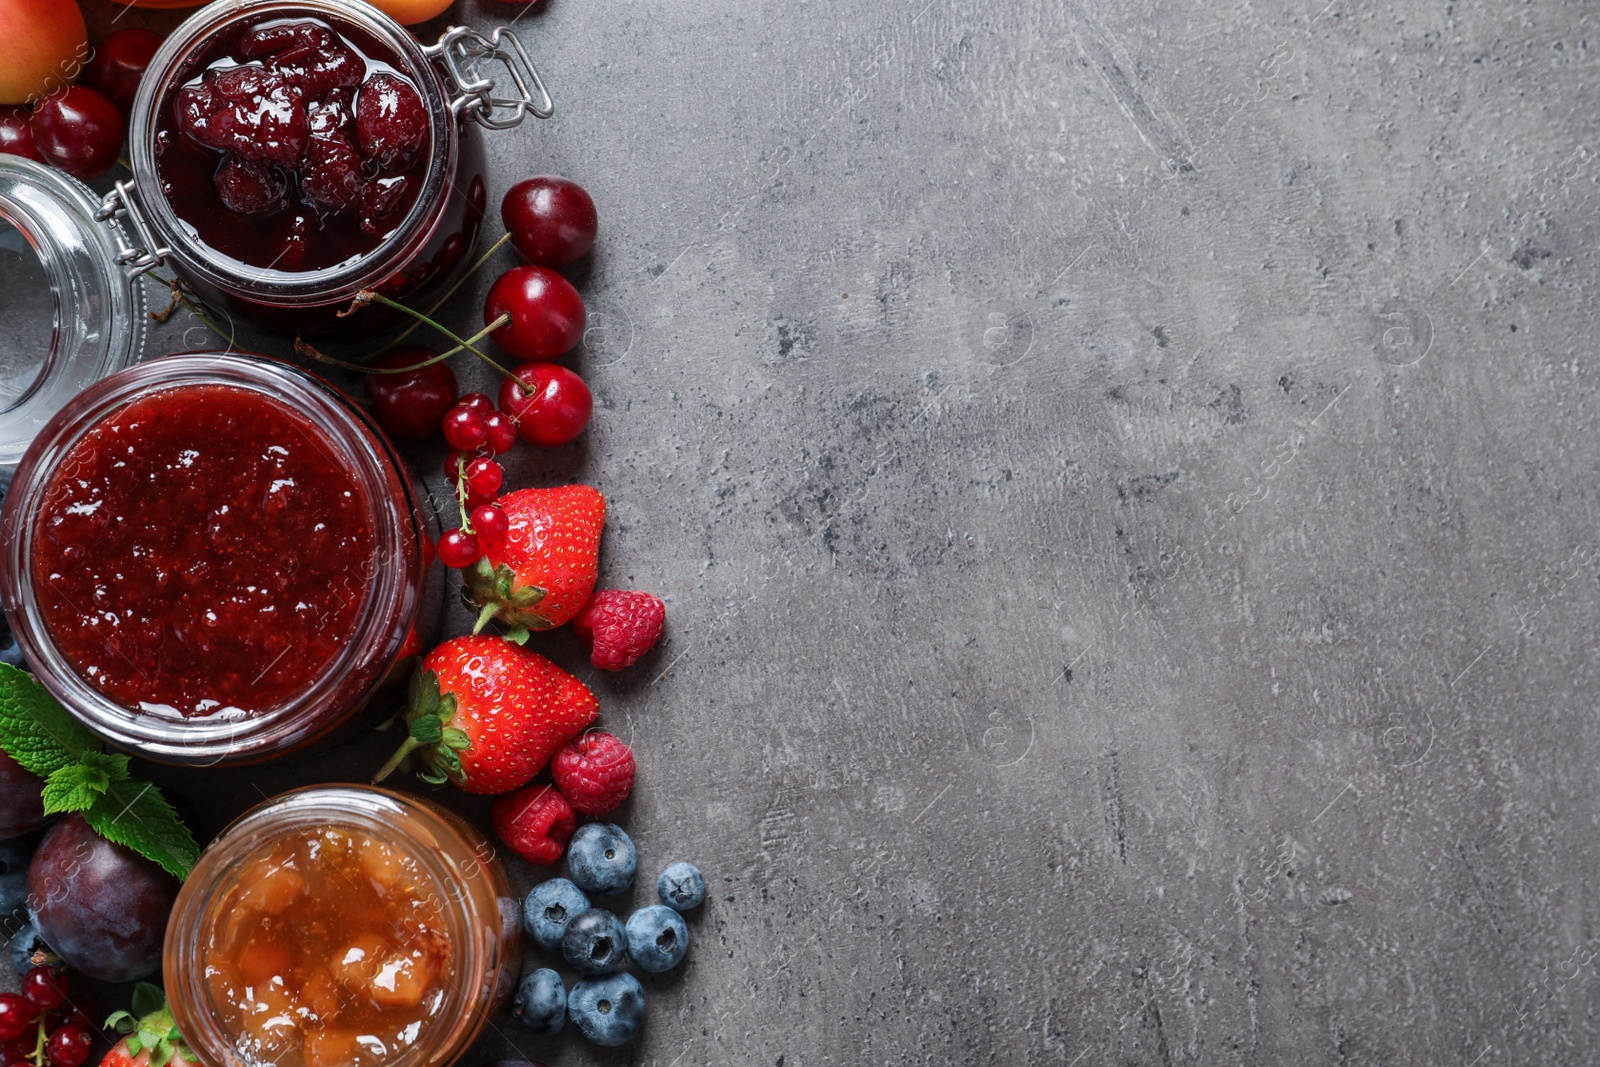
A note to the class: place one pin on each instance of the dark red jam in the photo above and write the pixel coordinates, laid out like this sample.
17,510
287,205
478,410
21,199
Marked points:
295,144
203,552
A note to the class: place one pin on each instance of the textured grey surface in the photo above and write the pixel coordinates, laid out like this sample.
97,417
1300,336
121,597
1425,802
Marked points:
1120,476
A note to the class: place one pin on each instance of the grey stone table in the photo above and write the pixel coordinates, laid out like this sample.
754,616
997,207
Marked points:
1121,477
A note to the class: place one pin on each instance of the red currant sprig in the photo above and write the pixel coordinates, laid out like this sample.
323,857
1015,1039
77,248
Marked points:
60,1028
483,524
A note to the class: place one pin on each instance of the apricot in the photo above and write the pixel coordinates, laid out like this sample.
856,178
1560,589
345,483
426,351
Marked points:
43,47
262,960
273,891
354,965
333,1047
403,979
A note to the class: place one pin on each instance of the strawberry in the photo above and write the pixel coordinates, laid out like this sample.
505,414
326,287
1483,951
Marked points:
153,1039
488,714
543,570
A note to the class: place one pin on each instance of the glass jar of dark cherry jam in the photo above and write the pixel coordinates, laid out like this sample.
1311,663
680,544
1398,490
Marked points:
213,558
287,156
342,926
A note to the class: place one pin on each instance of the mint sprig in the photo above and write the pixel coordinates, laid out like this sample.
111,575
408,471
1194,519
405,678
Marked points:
79,776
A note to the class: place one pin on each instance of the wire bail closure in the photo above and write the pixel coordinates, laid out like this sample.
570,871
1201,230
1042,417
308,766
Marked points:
134,259
461,50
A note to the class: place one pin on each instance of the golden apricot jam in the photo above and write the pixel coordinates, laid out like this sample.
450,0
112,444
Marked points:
342,926
333,952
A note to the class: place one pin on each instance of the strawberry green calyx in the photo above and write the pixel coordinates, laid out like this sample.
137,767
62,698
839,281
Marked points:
494,593
150,1028
431,746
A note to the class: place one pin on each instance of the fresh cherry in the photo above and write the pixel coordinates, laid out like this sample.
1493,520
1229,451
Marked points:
16,134
458,549
44,988
552,409
547,315
16,1014
411,404
502,432
551,220
464,428
118,65
484,477
491,525
79,131
68,1046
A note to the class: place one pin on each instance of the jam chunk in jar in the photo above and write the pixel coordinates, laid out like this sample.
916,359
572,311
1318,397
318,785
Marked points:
298,144
332,952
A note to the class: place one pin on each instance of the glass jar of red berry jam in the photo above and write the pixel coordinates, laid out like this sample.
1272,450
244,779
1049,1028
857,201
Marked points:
214,558
287,156
68,313
342,926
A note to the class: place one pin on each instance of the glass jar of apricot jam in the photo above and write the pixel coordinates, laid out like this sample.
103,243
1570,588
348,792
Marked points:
342,926
214,558
287,156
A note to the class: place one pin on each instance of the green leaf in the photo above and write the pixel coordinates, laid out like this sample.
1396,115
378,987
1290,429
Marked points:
455,739
432,777
148,999
161,1054
35,730
447,707
503,577
424,695
427,729
74,787
120,1021
135,1046
528,596
517,635
135,814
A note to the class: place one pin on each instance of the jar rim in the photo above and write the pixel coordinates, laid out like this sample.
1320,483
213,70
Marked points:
376,636
441,848
289,288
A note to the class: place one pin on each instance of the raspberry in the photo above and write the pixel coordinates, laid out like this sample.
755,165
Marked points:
620,626
536,822
595,772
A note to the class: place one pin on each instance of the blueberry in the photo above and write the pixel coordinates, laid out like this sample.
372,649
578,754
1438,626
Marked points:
657,938
681,887
609,1010
602,858
28,949
595,942
14,856
550,907
542,1002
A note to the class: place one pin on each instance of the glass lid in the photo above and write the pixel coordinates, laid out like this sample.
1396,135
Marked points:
69,315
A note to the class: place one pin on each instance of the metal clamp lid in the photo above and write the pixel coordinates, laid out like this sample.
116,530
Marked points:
461,50
134,259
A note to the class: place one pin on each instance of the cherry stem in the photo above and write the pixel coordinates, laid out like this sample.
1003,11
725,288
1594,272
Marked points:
367,296
306,351
448,293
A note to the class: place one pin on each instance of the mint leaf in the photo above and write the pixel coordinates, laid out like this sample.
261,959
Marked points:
135,814
77,786
35,730
148,999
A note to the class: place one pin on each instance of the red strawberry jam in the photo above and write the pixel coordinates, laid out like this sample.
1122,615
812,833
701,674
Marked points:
202,552
297,144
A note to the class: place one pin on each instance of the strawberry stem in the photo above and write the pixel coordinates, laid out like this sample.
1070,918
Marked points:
408,746
487,613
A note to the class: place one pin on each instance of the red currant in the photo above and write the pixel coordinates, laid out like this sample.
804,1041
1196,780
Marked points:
547,315
79,131
20,1049
484,477
553,409
16,134
458,549
491,525
464,428
68,1046
119,64
15,1015
478,402
44,988
551,220
414,403
502,432
79,1011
